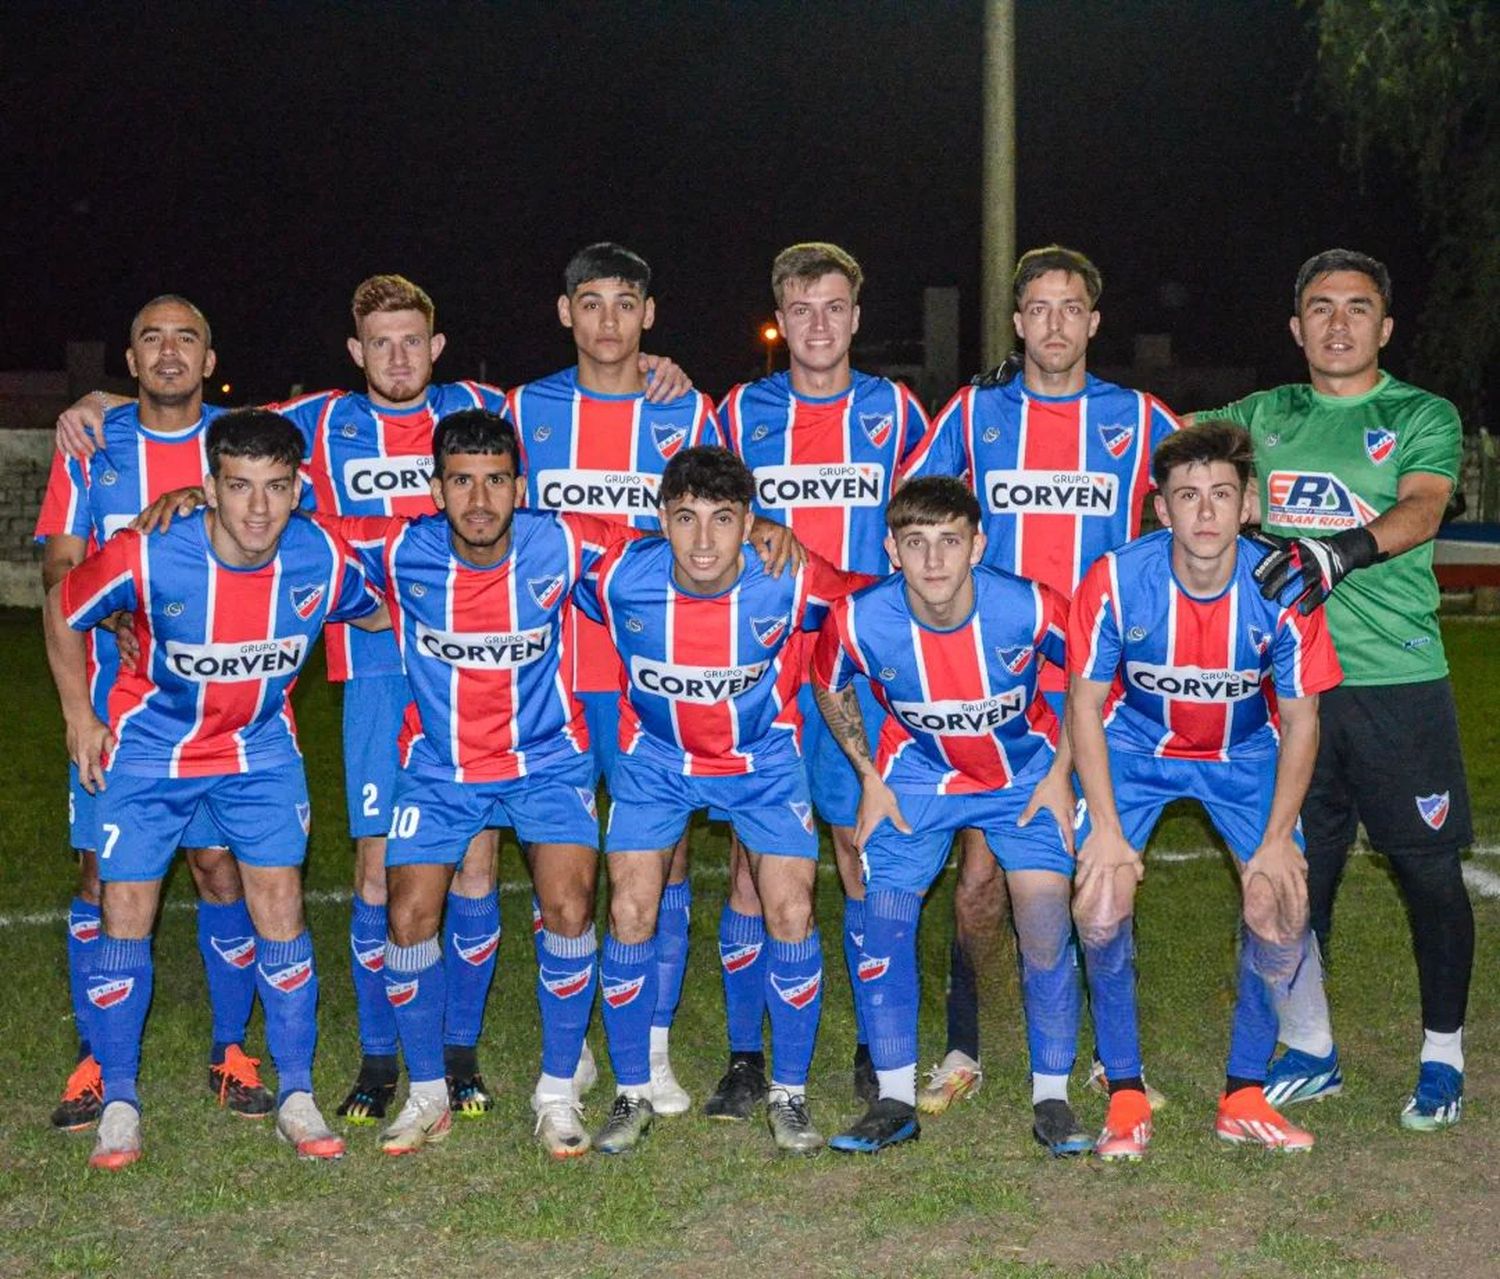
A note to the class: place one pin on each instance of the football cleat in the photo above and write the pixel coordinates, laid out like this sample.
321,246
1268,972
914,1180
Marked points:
1099,1082
866,1083
791,1124
740,1091
423,1121
1127,1127
1245,1116
468,1097
1298,1076
82,1098
587,1074
300,1124
1438,1100
629,1120
118,1144
236,1083
1054,1126
957,1076
367,1100
668,1097
886,1123
558,1128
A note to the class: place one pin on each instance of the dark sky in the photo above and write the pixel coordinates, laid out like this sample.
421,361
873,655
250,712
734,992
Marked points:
262,159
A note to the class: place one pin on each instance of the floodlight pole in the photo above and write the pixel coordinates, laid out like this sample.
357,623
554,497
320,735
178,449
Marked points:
998,182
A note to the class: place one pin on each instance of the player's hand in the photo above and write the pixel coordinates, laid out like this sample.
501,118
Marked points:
88,742
1274,884
1102,859
877,803
1002,373
778,546
1054,793
80,427
158,517
664,380
1318,564
123,625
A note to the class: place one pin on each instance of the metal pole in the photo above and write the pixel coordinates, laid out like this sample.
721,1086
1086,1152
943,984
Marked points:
998,181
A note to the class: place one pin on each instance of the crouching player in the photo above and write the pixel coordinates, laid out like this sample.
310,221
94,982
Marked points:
952,650
1174,656
225,606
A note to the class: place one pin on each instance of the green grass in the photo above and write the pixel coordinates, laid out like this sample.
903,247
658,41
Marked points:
974,1196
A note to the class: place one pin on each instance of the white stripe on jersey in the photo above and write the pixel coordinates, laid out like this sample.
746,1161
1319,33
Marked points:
513,605
670,652
1231,663
847,425
1078,566
1168,731
454,748
273,617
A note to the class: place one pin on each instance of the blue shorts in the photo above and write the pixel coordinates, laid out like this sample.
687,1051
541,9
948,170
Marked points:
373,708
261,817
602,711
434,818
81,825
830,775
650,805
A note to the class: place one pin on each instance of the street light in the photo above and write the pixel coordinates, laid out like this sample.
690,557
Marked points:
770,335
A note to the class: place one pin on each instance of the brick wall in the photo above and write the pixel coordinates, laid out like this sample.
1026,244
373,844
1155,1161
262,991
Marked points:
25,457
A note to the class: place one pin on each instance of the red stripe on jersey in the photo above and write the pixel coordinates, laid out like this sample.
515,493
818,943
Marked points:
952,670
482,719
1047,545
406,435
819,433
325,496
1199,636
698,635
167,465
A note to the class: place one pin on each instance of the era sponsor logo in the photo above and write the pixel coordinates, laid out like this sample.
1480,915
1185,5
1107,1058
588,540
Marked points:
704,685
768,630
546,591
106,992
877,427
477,950
1016,659
566,985
1433,809
1193,683
954,718
800,991
236,663
290,978
1116,438
1052,492
398,993
1314,500
668,437
598,492
873,967
589,800
1380,444
304,817
382,477
305,599
803,813
619,993
736,957
484,651
83,927
237,952
369,952
824,484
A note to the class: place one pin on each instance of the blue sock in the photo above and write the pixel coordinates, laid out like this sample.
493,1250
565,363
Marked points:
473,940
886,973
287,979
537,925
628,978
794,996
377,1021
672,922
1050,990
119,994
1252,1034
84,931
1110,966
854,940
414,986
565,981
742,959
226,940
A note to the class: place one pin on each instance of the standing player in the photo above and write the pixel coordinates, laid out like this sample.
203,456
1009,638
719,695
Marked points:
1061,464
1176,663
954,652
148,448
225,607
1356,469
824,443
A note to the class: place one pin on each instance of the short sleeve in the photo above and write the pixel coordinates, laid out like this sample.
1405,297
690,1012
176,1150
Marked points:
1093,643
104,583
65,508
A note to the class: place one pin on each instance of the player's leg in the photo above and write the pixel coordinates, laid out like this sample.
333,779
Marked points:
471,944
742,963
82,1094
672,928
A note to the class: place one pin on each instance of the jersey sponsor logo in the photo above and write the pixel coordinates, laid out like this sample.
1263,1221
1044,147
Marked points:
1416,642
873,967
760,432
398,993
953,718
877,427
542,433
477,950
769,630
705,685
1380,444
83,927
1052,492
1016,659
619,993
590,803
887,674
1315,500
1116,438
237,952
305,599
289,977
799,991
114,523
736,957
1193,683
304,817
1433,809
369,952
1135,634
106,992
803,813
566,985
109,477
481,651
379,477
546,591
598,492
821,484
349,430
416,590
236,663
668,437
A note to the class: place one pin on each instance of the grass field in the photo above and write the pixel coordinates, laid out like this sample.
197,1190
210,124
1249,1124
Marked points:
974,1196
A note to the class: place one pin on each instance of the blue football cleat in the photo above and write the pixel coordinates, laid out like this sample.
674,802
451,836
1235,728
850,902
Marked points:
886,1123
1055,1127
1438,1099
1298,1076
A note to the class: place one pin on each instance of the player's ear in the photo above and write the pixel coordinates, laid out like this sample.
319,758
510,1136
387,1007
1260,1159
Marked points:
1247,504
436,485
890,550
210,491
436,343
564,311
648,313
854,320
1163,511
976,552
749,524
1093,323
1386,325
1296,323
1015,320
210,361
130,362
356,352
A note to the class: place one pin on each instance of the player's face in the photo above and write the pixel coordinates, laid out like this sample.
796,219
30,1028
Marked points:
396,349
707,539
1204,505
819,320
252,499
477,492
936,559
169,355
1341,325
1055,321
607,318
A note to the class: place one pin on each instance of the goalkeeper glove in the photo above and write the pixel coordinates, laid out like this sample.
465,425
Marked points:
1001,373
1316,564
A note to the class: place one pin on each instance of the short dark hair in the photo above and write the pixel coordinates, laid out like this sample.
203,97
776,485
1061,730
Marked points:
253,433
607,261
1053,257
710,475
176,298
1343,260
1212,441
933,499
473,431
812,261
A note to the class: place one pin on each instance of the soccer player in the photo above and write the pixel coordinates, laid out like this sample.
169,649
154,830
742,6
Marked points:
824,442
709,719
226,606
1355,469
1061,463
149,447
1175,659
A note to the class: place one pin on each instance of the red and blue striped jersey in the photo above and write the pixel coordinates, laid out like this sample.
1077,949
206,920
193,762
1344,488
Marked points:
1192,678
220,646
825,466
601,455
95,497
365,460
485,648
709,686
963,714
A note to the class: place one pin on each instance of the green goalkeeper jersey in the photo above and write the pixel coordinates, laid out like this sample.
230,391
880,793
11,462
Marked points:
1327,463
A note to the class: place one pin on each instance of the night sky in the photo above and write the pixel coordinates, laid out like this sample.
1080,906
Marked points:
262,159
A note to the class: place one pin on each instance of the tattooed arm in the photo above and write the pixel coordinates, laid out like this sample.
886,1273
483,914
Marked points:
877,802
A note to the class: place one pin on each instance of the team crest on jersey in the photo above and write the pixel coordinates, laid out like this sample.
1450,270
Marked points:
799,992
477,950
1116,438
174,609
769,630
304,817
878,427
237,952
590,803
668,438
108,478
1016,659
736,958
1434,809
1380,444
566,985
760,432
619,993
83,927
369,952
873,967
305,599
106,992
1260,640
1315,500
398,993
546,591
991,435
289,977
803,813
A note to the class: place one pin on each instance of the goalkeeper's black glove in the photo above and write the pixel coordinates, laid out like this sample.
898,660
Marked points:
1001,373
1318,564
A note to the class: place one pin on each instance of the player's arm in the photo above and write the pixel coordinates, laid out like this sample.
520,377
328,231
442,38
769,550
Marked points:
61,553
1055,791
1106,850
106,587
665,381
80,426
379,620
158,517
1274,880
777,546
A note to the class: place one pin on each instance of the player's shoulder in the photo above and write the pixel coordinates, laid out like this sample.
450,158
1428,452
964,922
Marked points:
310,404
775,389
1415,404
467,393
562,384
1248,556
999,587
1137,554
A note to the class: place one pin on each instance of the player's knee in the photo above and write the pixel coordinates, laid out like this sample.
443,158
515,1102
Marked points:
790,919
88,876
1098,930
571,915
216,875
369,869
411,922
632,916
475,877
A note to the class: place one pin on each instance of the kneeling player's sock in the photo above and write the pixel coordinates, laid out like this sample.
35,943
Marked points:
84,931
742,945
119,994
287,980
377,1021
565,994
1110,966
794,997
537,925
1446,1046
963,1002
1302,1014
1252,1034
627,977
886,973
1049,979
415,986
473,939
672,923
226,940
854,940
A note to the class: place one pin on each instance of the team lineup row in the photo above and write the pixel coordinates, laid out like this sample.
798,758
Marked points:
519,638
